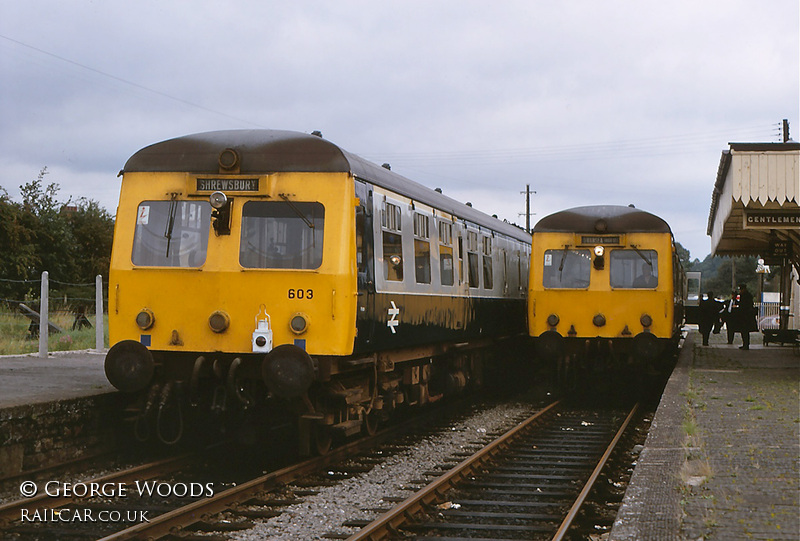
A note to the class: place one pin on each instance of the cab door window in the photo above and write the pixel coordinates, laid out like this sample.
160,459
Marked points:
391,224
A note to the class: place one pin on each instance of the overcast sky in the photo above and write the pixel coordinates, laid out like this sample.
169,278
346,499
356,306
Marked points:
613,102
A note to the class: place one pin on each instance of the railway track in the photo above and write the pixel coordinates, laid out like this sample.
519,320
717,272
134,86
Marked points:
236,499
528,484
518,485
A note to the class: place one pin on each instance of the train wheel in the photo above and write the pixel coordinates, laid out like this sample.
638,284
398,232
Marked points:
322,439
566,374
371,421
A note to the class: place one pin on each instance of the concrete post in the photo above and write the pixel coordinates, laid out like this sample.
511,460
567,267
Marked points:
44,309
99,342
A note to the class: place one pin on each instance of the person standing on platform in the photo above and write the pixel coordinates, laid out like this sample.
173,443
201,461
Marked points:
729,318
745,315
709,310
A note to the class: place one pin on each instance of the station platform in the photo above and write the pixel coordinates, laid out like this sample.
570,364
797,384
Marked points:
63,375
722,458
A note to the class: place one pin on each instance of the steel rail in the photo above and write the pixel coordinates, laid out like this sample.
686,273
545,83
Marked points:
381,527
44,470
573,512
173,521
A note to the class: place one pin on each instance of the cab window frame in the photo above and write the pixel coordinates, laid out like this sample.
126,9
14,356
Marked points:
171,233
567,268
282,235
627,268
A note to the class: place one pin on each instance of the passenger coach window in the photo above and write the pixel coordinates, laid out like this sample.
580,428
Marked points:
636,269
472,259
568,269
422,248
446,253
488,271
392,242
171,233
282,235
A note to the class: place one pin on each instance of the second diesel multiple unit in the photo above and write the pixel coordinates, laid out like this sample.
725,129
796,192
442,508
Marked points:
255,270
606,287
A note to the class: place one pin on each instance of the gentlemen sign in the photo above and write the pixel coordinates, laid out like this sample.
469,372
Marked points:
772,219
227,184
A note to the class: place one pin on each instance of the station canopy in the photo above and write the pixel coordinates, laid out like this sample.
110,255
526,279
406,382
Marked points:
754,206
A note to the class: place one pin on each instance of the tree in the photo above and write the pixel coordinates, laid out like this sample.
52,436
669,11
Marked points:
722,274
71,242
16,244
683,256
92,230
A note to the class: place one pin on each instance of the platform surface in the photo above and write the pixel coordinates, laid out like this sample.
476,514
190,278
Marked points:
30,379
722,458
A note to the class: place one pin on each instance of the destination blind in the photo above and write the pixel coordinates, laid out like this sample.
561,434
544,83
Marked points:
227,184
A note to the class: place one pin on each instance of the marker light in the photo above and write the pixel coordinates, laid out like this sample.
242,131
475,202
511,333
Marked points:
299,324
145,319
262,336
219,321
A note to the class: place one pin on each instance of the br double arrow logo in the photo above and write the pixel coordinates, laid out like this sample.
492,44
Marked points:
394,311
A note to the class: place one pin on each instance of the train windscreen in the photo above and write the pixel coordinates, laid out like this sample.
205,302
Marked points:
282,235
171,233
635,269
567,269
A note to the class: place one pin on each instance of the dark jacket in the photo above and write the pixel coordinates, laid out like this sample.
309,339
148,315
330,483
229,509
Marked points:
709,312
744,312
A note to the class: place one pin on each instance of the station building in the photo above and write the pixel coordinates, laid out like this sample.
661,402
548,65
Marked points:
755,210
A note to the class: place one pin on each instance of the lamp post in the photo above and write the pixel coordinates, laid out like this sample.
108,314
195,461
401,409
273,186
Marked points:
761,270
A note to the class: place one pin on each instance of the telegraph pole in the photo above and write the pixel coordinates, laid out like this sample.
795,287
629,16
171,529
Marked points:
528,193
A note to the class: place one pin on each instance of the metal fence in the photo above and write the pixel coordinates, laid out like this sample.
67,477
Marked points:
59,305
769,315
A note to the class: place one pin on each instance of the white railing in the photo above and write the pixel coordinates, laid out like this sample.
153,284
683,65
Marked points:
769,315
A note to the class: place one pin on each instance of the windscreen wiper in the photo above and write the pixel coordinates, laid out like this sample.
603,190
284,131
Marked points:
297,211
563,258
640,254
173,210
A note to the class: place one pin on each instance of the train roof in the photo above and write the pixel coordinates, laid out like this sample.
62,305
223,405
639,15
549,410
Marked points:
602,219
274,151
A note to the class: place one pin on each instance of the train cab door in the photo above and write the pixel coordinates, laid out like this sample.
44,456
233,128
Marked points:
365,264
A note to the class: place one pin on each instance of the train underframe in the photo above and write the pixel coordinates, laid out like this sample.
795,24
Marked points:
579,360
323,398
